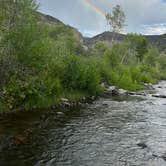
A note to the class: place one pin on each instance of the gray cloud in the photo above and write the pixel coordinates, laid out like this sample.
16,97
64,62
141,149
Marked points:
142,16
153,29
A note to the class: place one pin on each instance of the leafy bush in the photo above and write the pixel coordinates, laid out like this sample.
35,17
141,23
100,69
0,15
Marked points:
149,74
30,93
80,74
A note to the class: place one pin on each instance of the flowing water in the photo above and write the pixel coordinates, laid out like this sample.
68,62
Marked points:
122,131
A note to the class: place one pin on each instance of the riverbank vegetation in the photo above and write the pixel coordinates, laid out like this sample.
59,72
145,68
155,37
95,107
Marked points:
41,63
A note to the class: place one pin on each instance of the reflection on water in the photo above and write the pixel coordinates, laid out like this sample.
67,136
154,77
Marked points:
106,133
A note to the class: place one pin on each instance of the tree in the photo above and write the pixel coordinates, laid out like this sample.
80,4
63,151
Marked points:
152,57
139,45
116,19
20,36
25,76
99,48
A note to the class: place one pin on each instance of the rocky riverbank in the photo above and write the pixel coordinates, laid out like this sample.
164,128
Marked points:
109,91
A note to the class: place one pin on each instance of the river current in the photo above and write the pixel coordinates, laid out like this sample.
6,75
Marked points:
115,131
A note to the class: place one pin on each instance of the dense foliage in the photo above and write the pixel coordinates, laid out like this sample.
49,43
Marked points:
41,63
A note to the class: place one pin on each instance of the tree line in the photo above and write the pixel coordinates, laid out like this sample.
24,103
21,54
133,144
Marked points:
41,63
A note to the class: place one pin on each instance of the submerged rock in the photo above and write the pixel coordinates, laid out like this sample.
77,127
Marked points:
137,93
159,96
19,139
142,145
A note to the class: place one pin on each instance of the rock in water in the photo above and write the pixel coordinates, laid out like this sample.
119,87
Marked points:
112,91
142,145
159,96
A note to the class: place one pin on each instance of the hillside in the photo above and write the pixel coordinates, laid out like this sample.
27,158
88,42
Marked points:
47,19
158,40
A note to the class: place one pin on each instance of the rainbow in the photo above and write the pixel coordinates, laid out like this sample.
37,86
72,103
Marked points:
91,6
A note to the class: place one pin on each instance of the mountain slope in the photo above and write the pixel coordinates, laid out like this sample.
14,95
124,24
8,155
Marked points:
47,19
157,40
43,18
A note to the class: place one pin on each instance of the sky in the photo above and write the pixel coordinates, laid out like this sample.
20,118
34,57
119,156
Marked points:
88,16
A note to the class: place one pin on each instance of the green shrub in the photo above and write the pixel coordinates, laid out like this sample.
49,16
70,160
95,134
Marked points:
149,74
80,74
135,73
30,93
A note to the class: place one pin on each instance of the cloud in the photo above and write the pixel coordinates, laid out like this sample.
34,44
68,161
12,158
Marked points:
156,29
138,14
91,33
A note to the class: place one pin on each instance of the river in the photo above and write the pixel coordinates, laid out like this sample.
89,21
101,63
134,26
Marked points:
121,131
